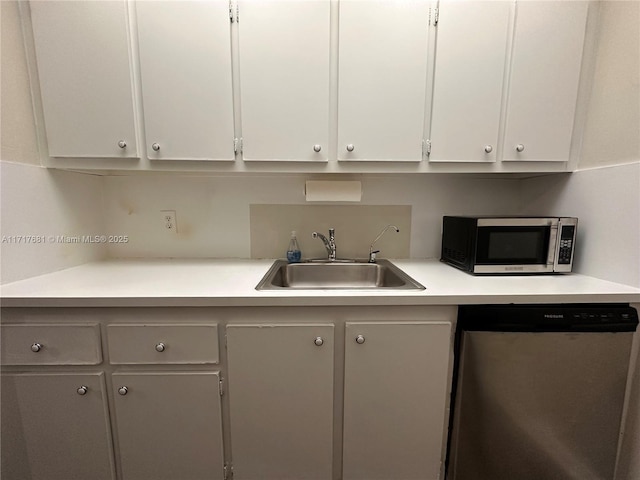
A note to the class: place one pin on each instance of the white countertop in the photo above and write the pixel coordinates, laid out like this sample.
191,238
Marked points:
205,282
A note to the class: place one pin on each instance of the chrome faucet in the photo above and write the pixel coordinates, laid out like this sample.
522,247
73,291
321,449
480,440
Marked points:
372,252
329,244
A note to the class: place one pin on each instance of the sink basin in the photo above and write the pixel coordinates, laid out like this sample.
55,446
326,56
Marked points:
336,275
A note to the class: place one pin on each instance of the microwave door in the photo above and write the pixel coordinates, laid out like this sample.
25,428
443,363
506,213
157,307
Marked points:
516,248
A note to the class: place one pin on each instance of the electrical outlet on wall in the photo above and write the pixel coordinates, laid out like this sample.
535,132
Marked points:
170,220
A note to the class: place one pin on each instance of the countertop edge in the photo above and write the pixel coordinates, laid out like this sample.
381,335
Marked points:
116,302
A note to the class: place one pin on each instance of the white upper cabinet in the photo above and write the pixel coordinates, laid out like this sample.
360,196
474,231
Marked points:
185,63
545,72
311,85
84,68
468,80
382,79
284,79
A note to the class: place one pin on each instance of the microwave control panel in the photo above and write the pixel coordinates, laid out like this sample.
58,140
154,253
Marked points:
566,244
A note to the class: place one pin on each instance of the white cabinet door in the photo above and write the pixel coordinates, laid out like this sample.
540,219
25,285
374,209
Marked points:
169,425
284,79
545,71
55,427
83,58
382,79
396,388
185,63
469,70
281,396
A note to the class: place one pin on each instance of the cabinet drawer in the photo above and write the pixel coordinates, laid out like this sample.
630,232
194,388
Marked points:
51,344
139,344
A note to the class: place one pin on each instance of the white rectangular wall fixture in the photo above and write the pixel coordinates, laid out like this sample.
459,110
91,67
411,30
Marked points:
333,191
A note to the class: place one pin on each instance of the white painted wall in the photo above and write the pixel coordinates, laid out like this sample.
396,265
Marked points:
607,203
45,203
612,129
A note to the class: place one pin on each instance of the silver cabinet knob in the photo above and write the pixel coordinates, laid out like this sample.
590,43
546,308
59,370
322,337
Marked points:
351,147
519,147
82,390
360,339
160,347
36,347
319,341
123,390
122,144
156,146
317,148
488,148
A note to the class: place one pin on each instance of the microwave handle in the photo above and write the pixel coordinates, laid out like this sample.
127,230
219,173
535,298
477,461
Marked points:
553,246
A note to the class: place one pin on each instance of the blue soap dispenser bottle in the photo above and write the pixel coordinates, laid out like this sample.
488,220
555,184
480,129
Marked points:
293,251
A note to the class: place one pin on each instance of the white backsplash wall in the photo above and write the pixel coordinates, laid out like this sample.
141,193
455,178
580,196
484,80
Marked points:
356,226
213,216
44,206
607,203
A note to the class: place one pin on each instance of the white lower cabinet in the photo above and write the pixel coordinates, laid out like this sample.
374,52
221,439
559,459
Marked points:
169,425
55,426
396,378
281,401
291,393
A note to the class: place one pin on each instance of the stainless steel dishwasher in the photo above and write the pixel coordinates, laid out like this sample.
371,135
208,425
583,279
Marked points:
539,391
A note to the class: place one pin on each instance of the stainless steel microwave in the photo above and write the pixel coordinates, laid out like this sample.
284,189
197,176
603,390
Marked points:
508,245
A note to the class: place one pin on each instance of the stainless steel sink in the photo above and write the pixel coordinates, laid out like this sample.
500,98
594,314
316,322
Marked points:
337,275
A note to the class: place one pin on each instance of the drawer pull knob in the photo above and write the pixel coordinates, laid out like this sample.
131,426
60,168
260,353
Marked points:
122,144
36,347
155,147
82,390
317,148
319,341
519,147
351,147
488,148
360,339
160,347
123,390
